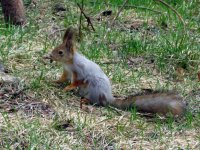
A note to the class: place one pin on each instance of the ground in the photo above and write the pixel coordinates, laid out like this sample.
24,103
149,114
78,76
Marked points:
146,46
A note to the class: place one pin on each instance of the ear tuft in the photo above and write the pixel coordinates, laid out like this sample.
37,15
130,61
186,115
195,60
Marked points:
69,34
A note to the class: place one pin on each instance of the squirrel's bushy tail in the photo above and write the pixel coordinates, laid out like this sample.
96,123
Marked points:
160,103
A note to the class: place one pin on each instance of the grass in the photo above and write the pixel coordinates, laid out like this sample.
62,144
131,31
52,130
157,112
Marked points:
149,48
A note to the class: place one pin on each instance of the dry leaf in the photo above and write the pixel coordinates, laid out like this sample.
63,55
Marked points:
198,76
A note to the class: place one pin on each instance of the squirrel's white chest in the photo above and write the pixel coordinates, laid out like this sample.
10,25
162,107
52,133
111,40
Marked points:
69,71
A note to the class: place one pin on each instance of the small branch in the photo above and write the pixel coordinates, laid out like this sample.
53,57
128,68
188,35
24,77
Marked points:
118,13
179,16
58,30
80,21
118,111
87,18
170,7
109,62
140,7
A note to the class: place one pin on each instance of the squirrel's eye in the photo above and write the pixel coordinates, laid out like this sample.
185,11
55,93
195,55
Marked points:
60,52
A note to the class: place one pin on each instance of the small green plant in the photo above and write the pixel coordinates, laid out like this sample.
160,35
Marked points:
133,111
189,119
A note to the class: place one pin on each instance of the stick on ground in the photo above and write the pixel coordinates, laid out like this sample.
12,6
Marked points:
87,18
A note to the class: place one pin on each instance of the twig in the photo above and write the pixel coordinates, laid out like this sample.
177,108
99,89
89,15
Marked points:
59,30
195,61
118,13
87,18
141,7
109,62
170,7
118,111
80,21
179,16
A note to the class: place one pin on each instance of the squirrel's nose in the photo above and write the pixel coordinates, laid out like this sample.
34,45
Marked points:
51,58
48,56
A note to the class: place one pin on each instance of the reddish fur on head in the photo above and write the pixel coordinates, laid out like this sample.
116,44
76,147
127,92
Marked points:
65,51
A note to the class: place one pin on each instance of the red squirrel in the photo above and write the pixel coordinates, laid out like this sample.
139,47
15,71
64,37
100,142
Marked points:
96,88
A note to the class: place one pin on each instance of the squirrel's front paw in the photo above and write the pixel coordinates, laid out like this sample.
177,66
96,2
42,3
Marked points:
61,81
68,88
56,81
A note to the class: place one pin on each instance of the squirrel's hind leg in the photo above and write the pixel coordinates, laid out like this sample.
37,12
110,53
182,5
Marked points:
84,101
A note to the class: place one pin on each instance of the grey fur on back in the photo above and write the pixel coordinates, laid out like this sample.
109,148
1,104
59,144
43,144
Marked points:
99,89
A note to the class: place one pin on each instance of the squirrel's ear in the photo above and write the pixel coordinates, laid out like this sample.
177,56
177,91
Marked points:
68,39
69,34
69,46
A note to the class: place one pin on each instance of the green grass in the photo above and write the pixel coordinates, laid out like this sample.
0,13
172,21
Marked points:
159,43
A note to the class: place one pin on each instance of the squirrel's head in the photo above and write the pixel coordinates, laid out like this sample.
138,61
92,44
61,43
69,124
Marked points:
65,51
